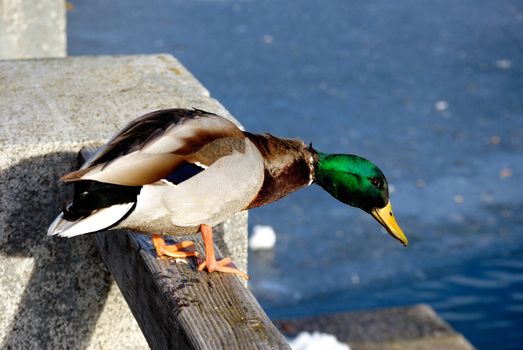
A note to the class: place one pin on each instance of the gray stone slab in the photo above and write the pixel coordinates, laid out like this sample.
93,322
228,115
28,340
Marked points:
56,293
32,29
414,327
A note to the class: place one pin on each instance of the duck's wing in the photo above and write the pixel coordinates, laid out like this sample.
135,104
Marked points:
151,147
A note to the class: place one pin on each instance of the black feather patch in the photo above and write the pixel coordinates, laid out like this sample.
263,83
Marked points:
184,172
92,195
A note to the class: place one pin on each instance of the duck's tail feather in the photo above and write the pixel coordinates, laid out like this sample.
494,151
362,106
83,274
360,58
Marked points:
96,221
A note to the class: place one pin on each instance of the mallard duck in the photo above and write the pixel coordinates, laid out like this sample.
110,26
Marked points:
177,171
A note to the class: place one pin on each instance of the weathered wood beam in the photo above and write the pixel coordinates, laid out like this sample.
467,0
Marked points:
178,307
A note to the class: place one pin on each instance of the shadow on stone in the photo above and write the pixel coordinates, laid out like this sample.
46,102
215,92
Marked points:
69,283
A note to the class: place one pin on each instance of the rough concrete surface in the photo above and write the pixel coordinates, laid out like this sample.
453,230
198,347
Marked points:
414,327
55,293
31,29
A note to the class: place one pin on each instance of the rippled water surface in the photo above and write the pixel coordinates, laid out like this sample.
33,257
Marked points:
429,90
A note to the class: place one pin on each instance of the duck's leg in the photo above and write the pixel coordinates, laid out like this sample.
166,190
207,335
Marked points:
173,251
223,265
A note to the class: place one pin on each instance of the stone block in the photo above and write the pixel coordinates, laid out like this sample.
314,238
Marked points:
415,327
32,29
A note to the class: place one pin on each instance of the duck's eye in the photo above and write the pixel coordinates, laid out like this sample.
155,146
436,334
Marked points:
376,182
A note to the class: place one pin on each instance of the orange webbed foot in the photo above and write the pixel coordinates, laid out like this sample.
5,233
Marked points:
224,265
173,251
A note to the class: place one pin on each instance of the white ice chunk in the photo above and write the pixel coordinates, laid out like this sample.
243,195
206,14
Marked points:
441,106
504,64
317,341
263,237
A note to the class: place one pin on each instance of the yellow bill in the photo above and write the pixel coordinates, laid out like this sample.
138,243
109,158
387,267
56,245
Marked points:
386,218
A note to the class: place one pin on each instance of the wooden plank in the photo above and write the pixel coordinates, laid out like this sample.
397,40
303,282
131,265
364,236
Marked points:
179,307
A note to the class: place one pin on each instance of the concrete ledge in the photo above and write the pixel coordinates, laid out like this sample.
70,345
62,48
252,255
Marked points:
56,293
31,29
406,328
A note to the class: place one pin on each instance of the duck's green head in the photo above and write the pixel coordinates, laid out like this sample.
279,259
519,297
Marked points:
358,182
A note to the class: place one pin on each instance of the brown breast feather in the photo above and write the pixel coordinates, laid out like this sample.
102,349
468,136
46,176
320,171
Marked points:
288,166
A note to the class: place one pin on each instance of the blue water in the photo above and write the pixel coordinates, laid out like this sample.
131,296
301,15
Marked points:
432,91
